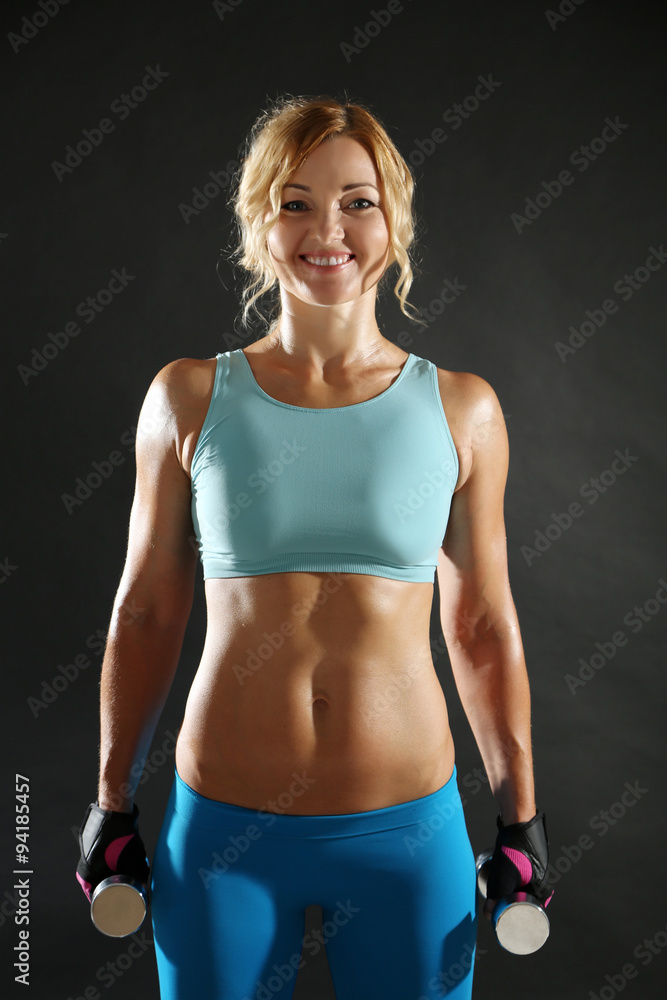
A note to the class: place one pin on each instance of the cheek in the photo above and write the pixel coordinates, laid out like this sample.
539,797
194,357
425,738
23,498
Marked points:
275,243
281,240
380,232
377,239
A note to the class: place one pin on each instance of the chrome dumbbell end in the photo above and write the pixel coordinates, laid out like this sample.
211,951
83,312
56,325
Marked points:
521,923
118,906
520,920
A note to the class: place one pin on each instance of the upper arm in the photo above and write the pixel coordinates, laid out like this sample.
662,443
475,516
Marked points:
161,560
472,563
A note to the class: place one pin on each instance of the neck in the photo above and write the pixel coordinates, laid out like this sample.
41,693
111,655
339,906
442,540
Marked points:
339,335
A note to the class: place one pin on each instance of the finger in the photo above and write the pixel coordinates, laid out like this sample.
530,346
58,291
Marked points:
489,905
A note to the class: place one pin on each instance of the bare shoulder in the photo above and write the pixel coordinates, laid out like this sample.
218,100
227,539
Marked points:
474,415
467,395
184,380
175,406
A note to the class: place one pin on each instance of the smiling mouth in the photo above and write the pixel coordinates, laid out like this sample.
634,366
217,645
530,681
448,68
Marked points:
328,261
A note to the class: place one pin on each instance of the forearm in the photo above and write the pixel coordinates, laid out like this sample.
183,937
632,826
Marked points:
492,682
139,664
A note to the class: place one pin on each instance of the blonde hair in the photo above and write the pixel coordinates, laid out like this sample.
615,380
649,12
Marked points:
278,143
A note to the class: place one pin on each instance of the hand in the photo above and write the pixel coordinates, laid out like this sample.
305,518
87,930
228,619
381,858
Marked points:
110,845
519,863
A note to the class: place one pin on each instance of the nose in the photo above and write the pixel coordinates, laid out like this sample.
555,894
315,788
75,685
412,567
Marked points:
327,225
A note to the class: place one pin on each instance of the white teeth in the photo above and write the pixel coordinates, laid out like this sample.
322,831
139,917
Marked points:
328,261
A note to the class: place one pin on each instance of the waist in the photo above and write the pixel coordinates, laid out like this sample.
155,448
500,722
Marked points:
345,692
442,803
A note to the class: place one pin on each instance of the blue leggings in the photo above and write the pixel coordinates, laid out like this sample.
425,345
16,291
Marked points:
396,887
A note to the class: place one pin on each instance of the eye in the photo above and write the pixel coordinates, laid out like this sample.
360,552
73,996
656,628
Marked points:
366,203
289,205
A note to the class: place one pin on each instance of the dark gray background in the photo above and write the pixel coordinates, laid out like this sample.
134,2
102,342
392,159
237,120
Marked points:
523,290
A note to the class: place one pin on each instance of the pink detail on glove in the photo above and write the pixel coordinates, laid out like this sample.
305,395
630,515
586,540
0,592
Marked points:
114,850
86,886
520,862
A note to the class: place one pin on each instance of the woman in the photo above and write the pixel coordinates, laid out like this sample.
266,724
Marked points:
327,475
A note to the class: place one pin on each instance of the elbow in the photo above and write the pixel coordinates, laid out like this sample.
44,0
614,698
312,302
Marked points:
484,638
161,611
467,627
479,617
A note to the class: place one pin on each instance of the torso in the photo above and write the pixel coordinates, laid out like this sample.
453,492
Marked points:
316,692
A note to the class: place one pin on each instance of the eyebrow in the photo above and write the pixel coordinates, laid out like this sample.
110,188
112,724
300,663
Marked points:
347,187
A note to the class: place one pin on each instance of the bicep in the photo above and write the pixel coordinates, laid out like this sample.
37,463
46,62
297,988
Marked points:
472,563
161,559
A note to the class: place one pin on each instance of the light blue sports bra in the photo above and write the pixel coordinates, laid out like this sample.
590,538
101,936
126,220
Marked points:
364,488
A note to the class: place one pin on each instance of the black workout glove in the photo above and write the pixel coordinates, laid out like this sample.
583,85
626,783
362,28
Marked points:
110,845
520,860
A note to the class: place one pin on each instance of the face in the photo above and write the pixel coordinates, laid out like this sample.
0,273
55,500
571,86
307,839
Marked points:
330,244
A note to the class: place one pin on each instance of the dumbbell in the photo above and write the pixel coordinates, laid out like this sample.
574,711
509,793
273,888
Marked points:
118,906
110,844
520,920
